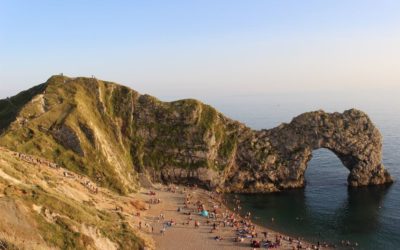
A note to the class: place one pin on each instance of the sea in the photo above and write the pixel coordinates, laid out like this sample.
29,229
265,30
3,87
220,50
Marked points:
326,209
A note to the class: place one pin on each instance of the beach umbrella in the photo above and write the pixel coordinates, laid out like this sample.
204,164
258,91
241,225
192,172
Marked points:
204,213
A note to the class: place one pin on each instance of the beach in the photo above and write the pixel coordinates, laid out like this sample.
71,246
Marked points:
172,225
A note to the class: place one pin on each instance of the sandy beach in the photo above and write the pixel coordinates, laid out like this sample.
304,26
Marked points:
183,234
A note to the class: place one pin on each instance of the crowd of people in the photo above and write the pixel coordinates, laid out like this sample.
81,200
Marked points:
37,161
154,201
217,217
209,212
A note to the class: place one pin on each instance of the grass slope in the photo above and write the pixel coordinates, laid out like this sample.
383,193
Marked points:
111,133
48,210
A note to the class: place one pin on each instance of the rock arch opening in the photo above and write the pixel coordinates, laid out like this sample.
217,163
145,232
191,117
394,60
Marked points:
325,169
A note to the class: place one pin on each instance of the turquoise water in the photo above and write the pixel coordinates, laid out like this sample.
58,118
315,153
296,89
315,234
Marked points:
326,209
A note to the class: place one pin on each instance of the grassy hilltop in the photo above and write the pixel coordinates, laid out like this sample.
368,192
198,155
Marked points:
112,133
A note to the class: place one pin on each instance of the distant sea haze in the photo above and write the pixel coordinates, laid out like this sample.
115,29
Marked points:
327,210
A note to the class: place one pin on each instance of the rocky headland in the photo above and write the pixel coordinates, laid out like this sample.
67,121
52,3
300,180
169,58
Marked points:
120,139
77,153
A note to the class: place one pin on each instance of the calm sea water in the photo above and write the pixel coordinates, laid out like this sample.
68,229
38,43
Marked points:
326,209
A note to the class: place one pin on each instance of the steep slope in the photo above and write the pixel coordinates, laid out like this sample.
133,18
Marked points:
117,137
43,206
112,133
67,123
10,107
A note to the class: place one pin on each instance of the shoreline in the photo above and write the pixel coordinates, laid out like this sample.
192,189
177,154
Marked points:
324,244
171,223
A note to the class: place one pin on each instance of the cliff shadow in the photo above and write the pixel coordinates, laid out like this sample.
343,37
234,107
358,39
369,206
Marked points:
10,107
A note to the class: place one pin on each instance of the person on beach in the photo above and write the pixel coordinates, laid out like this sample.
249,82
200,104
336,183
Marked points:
255,244
218,238
239,239
265,234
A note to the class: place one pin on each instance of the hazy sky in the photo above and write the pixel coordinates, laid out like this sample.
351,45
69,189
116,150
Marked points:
199,48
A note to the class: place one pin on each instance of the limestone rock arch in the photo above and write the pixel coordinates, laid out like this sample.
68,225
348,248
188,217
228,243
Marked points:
276,159
350,135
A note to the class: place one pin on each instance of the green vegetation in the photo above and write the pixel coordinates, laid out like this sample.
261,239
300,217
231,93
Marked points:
123,236
60,219
109,133
113,133
208,117
228,146
60,234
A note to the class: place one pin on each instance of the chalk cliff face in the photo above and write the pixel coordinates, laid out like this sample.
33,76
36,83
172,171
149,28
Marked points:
119,137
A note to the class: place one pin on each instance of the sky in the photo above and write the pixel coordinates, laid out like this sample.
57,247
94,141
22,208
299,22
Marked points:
175,49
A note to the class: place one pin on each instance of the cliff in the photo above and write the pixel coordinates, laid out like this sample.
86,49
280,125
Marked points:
120,138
